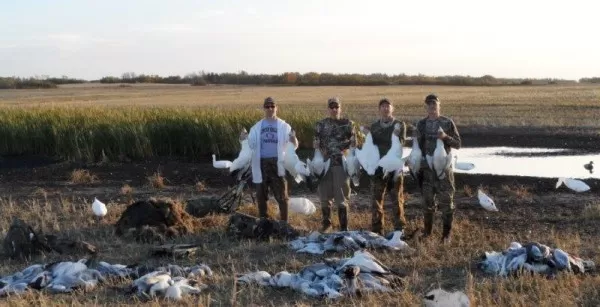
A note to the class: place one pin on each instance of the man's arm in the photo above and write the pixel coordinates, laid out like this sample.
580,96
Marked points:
452,138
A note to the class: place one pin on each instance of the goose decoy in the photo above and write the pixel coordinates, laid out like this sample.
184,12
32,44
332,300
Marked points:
99,208
368,156
318,166
392,161
442,298
244,157
220,163
439,161
352,166
486,202
302,205
573,184
415,157
589,167
292,163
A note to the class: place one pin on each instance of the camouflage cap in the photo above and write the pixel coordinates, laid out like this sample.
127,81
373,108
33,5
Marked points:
333,101
432,98
269,101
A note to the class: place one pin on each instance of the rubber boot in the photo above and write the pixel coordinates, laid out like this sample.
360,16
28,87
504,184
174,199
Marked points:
447,227
326,221
343,218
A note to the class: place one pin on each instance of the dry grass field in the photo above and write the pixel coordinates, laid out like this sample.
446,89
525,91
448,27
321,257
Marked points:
81,121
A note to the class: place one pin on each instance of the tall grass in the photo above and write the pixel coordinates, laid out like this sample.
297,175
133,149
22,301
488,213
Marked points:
84,133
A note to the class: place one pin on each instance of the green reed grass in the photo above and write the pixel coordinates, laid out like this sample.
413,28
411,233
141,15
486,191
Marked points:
83,133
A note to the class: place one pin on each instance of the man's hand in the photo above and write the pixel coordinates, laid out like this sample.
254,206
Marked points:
243,135
442,135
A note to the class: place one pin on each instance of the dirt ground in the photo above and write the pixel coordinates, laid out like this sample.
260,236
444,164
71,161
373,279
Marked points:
40,191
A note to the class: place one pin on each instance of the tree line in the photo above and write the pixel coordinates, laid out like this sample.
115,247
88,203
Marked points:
289,78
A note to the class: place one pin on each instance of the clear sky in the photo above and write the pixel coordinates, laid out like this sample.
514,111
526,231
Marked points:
92,39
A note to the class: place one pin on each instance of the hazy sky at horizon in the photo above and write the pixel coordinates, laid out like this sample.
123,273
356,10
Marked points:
89,40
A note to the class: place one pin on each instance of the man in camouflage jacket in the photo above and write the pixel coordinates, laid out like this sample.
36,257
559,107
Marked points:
333,136
436,191
381,131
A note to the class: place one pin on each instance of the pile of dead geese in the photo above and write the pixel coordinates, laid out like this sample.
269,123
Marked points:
532,257
333,278
319,243
171,281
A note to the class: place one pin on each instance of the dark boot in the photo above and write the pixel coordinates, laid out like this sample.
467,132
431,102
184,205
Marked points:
326,220
343,218
283,211
447,227
428,224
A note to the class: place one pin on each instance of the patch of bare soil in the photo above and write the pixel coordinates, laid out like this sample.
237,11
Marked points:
155,219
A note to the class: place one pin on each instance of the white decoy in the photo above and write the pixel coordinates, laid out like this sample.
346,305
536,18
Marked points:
244,157
99,208
144,283
318,166
415,157
366,262
262,278
220,163
16,288
282,279
392,161
352,166
396,241
312,248
368,156
442,298
573,184
290,160
302,205
439,158
486,202
199,271
463,166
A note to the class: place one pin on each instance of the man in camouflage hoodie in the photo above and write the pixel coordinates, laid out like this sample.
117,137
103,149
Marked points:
435,190
381,131
333,136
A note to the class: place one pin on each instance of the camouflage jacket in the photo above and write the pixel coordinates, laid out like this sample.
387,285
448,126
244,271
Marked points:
427,131
382,135
334,137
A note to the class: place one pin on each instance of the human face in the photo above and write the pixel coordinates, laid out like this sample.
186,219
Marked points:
270,110
386,110
335,110
433,109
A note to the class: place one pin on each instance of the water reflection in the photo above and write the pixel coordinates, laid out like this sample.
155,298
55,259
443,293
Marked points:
534,162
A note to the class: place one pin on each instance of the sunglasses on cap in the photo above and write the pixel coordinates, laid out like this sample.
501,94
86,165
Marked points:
270,107
334,107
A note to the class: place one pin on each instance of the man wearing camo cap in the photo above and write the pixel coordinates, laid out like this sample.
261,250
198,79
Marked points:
333,136
436,191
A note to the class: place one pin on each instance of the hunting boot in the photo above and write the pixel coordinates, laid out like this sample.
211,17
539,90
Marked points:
343,218
326,220
283,212
428,224
447,228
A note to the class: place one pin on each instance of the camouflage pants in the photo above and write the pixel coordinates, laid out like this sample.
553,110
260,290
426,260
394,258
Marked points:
379,187
277,185
334,189
437,192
